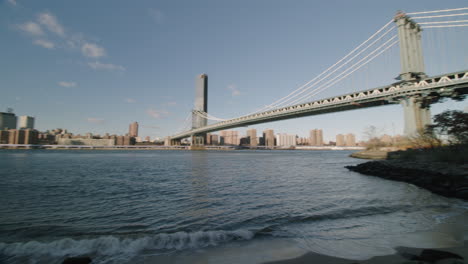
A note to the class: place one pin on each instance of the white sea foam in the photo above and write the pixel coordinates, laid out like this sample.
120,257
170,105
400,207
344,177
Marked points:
111,245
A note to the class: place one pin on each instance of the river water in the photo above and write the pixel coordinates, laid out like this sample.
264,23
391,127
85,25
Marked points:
147,206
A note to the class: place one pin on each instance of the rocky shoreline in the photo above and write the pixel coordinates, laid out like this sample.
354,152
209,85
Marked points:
450,180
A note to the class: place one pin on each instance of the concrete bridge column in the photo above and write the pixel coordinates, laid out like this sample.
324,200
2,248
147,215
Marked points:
416,116
167,141
411,55
198,140
171,142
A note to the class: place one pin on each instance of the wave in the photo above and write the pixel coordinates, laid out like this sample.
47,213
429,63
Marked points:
111,245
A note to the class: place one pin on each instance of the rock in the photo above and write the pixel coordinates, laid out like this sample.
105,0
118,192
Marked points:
432,255
450,261
432,177
77,260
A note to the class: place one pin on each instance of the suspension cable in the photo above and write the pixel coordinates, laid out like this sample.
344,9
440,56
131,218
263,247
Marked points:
334,81
324,72
446,26
449,15
438,11
442,22
348,61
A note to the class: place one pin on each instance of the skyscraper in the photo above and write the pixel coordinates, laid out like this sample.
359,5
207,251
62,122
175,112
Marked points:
350,140
319,138
252,137
286,140
7,121
340,140
201,101
312,137
230,137
26,122
316,137
269,137
133,129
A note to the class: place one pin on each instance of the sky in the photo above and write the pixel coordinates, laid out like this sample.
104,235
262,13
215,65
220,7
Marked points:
96,66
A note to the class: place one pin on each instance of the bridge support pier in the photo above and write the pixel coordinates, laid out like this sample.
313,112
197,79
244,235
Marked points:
198,142
416,115
171,142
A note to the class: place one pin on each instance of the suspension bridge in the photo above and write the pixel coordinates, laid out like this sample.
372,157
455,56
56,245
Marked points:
414,90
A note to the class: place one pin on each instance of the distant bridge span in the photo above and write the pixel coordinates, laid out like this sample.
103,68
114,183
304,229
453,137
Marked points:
423,92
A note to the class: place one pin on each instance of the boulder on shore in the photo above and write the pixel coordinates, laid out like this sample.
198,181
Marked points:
441,178
77,260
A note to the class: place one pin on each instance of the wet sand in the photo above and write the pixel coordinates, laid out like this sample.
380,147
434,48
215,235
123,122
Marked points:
390,259
457,226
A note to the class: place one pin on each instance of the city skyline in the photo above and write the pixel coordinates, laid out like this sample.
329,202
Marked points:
83,78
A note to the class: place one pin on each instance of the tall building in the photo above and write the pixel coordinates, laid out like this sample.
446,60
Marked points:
31,136
252,137
201,101
285,140
269,137
229,137
26,122
312,137
214,140
350,140
340,140
133,129
319,138
7,121
316,137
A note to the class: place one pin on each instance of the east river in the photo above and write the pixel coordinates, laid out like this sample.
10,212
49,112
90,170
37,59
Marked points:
147,206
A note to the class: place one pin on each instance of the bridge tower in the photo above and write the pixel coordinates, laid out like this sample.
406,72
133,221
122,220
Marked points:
201,104
416,113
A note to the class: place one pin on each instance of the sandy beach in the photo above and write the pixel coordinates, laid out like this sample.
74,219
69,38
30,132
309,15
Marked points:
456,226
390,259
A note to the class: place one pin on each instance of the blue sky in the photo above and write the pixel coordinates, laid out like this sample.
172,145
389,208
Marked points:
97,66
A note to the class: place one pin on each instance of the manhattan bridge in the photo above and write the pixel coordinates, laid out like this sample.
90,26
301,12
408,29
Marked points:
414,90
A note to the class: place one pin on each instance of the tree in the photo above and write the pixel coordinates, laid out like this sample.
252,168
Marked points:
451,124
373,138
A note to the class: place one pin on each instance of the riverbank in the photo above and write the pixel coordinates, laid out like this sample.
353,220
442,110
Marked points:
443,178
442,170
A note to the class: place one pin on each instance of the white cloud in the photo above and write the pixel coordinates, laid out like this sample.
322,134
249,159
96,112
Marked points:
157,113
156,14
105,66
32,28
44,43
51,23
234,90
12,2
92,50
94,120
130,100
67,84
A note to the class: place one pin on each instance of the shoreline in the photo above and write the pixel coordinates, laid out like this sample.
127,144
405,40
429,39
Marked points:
442,170
455,227
159,147
446,179
404,255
